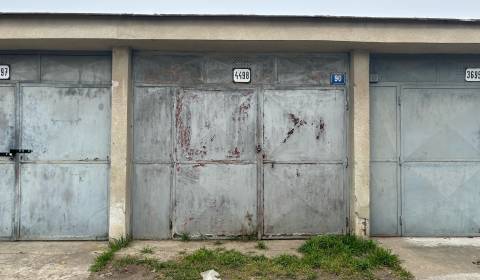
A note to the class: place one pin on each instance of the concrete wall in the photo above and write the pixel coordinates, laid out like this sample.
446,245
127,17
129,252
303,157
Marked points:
240,33
121,142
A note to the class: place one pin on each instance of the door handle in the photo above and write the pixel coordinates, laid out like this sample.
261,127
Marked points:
13,152
20,151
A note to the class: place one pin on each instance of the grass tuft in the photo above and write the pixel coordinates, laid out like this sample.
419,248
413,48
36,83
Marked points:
104,258
185,236
261,245
147,250
349,255
343,256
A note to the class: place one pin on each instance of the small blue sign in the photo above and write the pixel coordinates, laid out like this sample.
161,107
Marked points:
337,79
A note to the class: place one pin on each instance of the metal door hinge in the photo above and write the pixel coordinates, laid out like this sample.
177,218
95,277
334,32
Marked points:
346,162
346,222
400,220
398,100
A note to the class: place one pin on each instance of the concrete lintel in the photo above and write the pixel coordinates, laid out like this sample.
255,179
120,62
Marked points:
359,136
121,139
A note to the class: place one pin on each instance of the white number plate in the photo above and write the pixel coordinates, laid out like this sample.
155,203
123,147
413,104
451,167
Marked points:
241,75
472,75
4,72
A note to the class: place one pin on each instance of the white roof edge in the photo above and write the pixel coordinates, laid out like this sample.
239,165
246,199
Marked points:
259,16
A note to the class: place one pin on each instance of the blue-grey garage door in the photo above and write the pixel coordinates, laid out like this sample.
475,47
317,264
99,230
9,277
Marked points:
54,136
425,147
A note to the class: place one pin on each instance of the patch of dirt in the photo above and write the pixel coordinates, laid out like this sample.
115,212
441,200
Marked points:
130,272
385,274
322,275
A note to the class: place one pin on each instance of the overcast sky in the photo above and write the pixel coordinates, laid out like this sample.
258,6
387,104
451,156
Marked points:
462,9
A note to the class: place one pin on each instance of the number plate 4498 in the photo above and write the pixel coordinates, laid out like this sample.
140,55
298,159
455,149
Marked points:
242,75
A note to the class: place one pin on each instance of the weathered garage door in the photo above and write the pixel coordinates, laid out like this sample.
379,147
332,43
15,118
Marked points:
426,149
214,158
304,144
58,187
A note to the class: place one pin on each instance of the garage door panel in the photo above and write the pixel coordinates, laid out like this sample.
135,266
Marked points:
309,69
64,201
216,125
441,199
60,123
384,199
7,199
304,125
296,193
153,124
76,68
151,201
215,199
218,69
22,67
7,119
383,124
438,124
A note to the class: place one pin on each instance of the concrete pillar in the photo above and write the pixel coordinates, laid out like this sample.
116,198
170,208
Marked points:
121,139
359,136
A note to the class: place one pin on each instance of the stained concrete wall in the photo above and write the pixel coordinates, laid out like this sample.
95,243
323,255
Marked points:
359,136
121,143
240,33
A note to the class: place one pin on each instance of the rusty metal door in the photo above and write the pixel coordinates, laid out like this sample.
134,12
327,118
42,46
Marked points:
214,158
304,161
59,186
440,155
215,162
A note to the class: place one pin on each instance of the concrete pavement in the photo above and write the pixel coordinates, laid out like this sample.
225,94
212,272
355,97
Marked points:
426,258
438,258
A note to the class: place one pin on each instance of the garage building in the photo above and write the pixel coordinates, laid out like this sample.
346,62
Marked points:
227,126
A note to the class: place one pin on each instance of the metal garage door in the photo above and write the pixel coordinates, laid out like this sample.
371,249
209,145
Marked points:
57,188
304,143
426,151
214,158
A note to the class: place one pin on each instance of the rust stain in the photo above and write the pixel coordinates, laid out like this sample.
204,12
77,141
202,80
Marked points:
242,113
184,131
298,173
321,129
234,153
297,123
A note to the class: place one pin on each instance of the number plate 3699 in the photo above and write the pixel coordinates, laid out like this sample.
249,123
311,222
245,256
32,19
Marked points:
472,75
